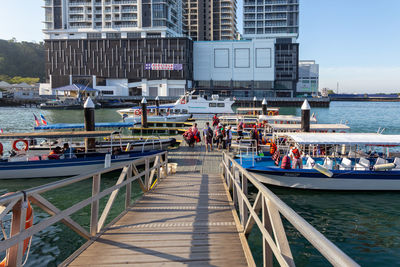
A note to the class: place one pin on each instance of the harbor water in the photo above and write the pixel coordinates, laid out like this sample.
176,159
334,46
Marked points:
366,226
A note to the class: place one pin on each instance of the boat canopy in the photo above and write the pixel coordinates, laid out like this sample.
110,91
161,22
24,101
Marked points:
82,126
255,109
76,87
289,118
55,134
368,139
313,127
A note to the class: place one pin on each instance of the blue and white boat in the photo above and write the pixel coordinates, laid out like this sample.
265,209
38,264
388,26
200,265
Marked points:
38,165
333,161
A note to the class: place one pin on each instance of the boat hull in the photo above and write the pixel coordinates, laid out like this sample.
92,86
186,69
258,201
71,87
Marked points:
376,182
62,167
170,118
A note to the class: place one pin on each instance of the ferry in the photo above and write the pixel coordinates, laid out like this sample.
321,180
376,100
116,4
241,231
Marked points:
186,104
332,161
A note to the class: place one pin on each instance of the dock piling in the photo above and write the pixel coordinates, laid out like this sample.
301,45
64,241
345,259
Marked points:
144,113
157,106
264,107
305,117
254,105
88,107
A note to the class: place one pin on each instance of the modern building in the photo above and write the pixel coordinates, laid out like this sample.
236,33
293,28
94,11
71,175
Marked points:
271,19
112,19
210,20
308,77
120,47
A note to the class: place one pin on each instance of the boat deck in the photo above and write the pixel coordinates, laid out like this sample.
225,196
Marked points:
188,219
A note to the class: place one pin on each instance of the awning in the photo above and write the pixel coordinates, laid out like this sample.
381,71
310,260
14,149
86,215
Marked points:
370,139
313,127
55,134
76,87
81,125
288,118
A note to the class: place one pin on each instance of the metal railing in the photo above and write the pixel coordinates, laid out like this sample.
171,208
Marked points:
275,241
17,202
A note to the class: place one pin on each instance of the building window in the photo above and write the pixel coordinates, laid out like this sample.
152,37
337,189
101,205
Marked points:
263,57
134,35
242,58
113,35
94,35
221,58
105,92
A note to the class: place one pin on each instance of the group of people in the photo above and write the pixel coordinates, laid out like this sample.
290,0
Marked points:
293,160
218,134
66,152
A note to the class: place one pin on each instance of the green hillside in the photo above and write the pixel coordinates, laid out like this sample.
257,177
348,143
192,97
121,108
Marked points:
21,61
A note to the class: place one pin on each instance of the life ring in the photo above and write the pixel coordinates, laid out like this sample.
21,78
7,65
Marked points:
138,112
183,101
14,146
1,149
270,113
28,224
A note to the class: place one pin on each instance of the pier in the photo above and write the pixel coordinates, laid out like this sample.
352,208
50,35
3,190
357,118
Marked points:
201,215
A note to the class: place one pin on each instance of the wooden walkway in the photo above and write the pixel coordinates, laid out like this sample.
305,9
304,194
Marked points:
188,219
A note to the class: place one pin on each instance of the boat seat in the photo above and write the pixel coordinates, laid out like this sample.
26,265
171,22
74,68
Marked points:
309,164
380,161
360,167
328,163
345,164
364,162
397,163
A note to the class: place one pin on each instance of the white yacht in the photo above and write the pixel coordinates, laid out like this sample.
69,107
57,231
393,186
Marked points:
186,104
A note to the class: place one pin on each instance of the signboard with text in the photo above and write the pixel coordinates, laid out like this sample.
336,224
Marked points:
162,66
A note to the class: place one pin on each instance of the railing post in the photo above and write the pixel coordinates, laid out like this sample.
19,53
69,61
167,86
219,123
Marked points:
267,252
94,217
244,212
165,167
18,226
147,173
128,188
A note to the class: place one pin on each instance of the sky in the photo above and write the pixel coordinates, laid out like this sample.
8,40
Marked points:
355,42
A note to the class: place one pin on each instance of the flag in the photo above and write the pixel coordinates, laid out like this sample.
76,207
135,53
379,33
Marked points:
44,122
37,122
314,117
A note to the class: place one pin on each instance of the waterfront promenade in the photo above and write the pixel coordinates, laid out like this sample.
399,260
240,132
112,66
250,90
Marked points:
187,219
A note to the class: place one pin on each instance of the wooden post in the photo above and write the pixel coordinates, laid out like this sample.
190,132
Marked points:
18,225
264,107
94,217
88,107
144,113
267,252
157,106
244,212
305,117
147,173
128,194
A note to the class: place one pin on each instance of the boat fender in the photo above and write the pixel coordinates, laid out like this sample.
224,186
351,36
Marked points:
28,224
384,167
1,149
107,161
25,148
285,163
322,170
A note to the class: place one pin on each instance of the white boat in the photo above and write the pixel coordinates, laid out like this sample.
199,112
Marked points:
187,104
334,161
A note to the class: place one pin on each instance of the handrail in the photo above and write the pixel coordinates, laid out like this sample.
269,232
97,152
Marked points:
237,178
130,173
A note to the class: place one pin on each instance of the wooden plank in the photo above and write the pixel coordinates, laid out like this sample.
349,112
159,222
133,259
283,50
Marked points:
185,219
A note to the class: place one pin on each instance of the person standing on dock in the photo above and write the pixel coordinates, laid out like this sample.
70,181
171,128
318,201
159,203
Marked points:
228,138
219,135
215,121
208,136
240,130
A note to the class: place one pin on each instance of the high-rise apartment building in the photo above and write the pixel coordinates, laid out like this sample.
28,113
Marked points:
77,19
271,19
209,20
